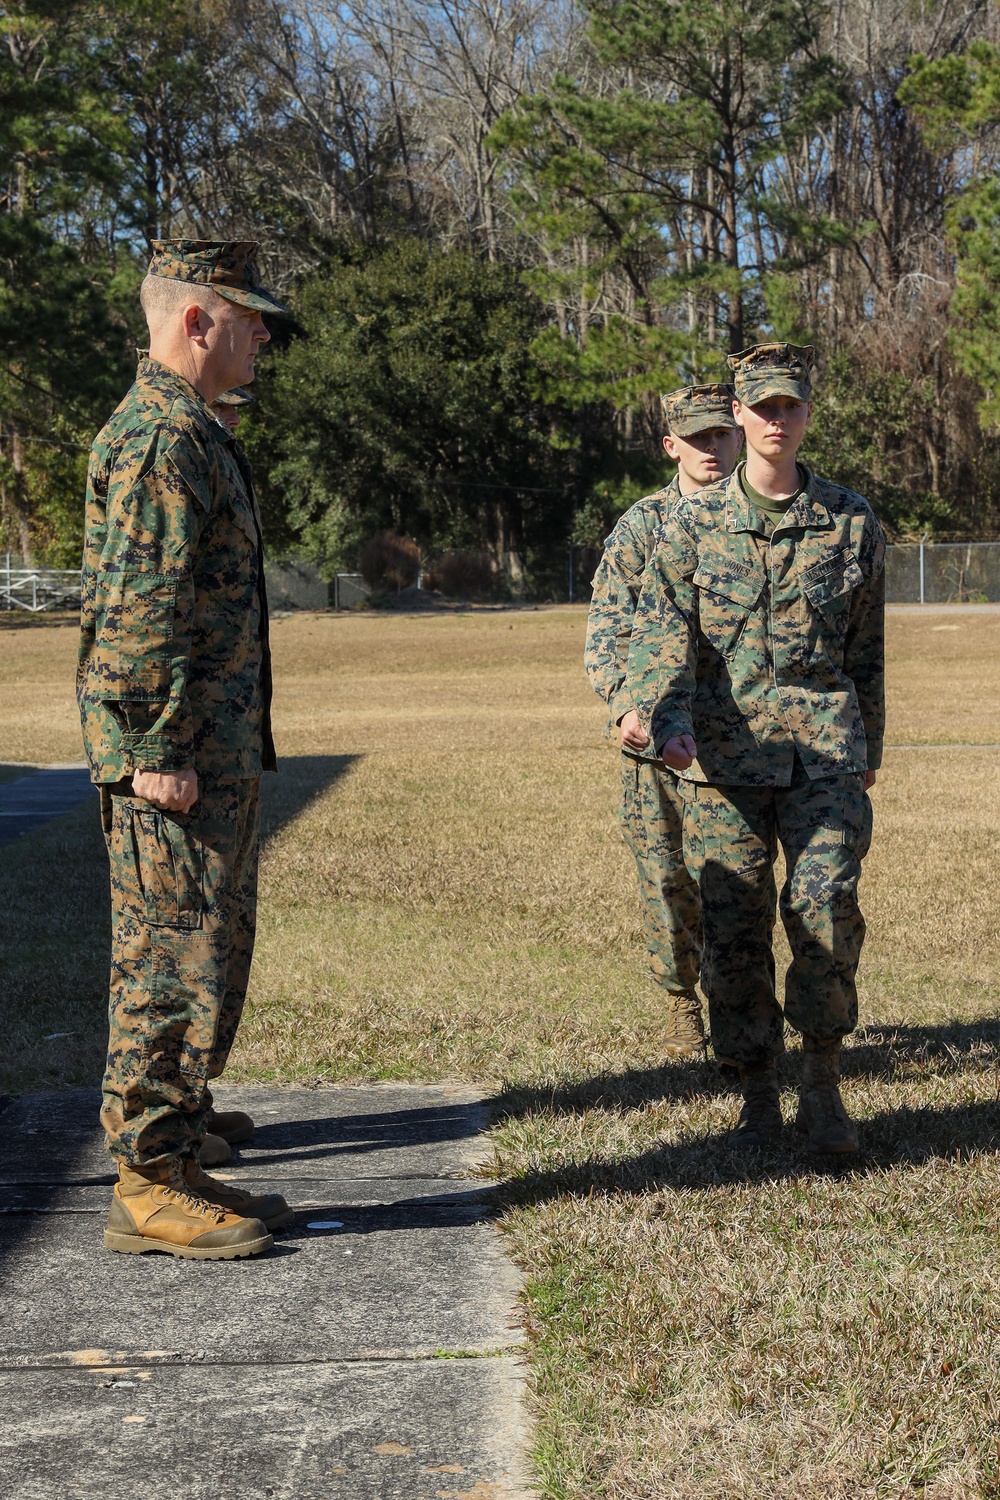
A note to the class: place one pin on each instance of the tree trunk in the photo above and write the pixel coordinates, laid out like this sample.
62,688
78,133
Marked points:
15,495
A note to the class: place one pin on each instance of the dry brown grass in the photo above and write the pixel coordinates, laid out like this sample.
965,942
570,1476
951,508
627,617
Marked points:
445,892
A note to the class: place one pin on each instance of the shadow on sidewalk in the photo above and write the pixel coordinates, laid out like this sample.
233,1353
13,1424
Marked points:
358,1135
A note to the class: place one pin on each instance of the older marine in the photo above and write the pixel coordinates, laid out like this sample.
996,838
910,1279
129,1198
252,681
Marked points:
703,440
174,687
757,667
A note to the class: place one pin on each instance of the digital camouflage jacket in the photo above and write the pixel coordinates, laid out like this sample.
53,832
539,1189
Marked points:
762,642
616,592
174,667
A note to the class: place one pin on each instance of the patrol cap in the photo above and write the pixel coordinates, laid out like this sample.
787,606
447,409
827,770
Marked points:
696,408
238,396
229,267
772,370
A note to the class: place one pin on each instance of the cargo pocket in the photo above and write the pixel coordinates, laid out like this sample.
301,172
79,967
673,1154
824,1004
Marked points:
170,864
694,834
724,603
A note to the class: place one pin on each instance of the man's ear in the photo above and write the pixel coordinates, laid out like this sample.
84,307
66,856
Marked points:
669,446
196,322
737,412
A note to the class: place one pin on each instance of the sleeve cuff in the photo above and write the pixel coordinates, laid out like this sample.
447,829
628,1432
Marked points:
153,752
668,728
874,755
621,704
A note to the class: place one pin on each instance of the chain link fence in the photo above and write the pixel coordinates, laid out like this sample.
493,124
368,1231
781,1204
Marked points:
295,585
348,591
292,585
943,573
915,572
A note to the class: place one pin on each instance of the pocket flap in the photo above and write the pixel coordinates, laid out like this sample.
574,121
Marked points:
738,588
832,576
191,467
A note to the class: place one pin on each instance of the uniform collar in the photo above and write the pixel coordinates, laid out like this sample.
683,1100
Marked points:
151,369
808,512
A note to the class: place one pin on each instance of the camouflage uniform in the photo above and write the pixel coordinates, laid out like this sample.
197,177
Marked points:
651,810
174,673
765,643
184,897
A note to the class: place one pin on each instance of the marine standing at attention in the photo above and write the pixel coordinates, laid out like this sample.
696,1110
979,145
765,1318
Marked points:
174,687
757,668
704,441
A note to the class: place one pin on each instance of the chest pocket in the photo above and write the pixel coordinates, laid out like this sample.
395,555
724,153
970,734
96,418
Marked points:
725,600
828,586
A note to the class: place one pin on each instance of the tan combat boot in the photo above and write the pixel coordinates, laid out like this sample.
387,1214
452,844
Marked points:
759,1123
270,1208
821,1114
232,1124
685,1030
153,1208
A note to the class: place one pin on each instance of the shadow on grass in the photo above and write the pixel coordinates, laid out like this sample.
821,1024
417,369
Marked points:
891,1051
887,1052
301,780
897,1137
905,1137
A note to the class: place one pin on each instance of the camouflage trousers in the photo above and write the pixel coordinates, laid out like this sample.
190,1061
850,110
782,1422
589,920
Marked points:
731,836
184,906
652,824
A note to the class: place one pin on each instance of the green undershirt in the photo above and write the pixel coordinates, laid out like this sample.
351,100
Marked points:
772,509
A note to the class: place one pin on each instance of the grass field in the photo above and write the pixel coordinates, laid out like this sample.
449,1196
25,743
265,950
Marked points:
444,893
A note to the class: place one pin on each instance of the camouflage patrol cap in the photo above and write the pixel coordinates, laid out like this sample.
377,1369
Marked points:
238,396
696,408
229,267
772,370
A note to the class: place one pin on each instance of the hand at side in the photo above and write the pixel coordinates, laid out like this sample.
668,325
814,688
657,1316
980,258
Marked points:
634,737
679,751
171,791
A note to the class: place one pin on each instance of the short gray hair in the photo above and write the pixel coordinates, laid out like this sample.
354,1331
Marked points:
162,296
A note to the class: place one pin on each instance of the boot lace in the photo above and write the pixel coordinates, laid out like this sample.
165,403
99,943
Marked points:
189,1198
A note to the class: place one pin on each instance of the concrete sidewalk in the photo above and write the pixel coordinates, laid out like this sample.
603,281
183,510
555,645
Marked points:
372,1356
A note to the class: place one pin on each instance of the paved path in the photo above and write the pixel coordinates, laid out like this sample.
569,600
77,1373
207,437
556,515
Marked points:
377,1360
42,793
943,609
